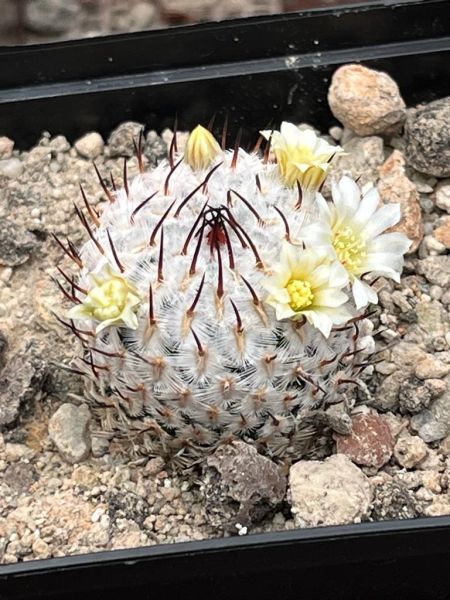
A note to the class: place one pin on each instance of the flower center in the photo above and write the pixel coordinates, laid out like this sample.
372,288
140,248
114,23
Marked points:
350,248
300,294
108,299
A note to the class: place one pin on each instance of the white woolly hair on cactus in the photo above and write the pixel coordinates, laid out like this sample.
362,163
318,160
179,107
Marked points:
212,297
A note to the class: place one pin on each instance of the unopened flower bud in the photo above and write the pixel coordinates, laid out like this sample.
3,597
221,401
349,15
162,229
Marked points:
201,149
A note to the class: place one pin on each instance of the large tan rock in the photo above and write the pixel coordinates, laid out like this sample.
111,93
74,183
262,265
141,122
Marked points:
329,492
366,101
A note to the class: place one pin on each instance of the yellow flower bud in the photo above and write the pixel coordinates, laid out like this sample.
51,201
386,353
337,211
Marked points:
201,149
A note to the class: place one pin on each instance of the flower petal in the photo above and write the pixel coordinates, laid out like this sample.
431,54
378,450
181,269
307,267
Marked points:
363,293
382,219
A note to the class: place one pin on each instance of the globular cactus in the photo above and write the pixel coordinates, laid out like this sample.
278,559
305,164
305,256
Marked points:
211,298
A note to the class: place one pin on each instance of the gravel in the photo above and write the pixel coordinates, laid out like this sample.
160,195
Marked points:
54,506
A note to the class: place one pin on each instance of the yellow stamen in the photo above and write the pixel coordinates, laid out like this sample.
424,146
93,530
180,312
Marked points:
300,294
108,300
350,248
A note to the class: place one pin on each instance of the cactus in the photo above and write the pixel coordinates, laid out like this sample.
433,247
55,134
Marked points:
210,304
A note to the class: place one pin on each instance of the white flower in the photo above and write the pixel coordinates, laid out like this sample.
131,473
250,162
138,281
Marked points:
351,228
112,301
306,284
301,155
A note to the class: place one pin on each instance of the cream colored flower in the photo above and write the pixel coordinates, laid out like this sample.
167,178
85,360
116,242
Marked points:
201,149
112,301
306,284
351,229
301,155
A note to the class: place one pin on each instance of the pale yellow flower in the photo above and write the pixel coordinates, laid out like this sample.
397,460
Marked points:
201,149
112,300
308,285
351,228
302,156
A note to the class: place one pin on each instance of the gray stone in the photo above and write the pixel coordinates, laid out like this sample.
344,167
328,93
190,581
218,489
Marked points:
120,142
329,492
99,446
11,167
68,429
440,409
90,145
52,16
16,244
393,500
419,419
427,137
59,144
433,431
240,486
23,377
366,101
20,476
414,396
436,269
155,148
387,396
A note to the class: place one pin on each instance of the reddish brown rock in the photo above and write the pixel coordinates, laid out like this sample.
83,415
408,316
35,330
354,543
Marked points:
368,102
370,444
395,187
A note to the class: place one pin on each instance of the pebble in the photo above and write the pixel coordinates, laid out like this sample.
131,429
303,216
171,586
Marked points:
436,269
410,450
90,145
99,446
329,492
370,443
395,187
431,367
120,142
442,233
419,419
414,396
366,101
442,195
68,430
433,431
21,379
41,549
240,486
427,138
6,147
11,167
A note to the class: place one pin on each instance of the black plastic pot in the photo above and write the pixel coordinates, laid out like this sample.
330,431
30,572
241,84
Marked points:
258,70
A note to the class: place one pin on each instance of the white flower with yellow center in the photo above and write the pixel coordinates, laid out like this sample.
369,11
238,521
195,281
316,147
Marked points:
308,285
351,228
302,156
112,300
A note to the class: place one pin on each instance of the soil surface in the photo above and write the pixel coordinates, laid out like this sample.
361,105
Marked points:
397,453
